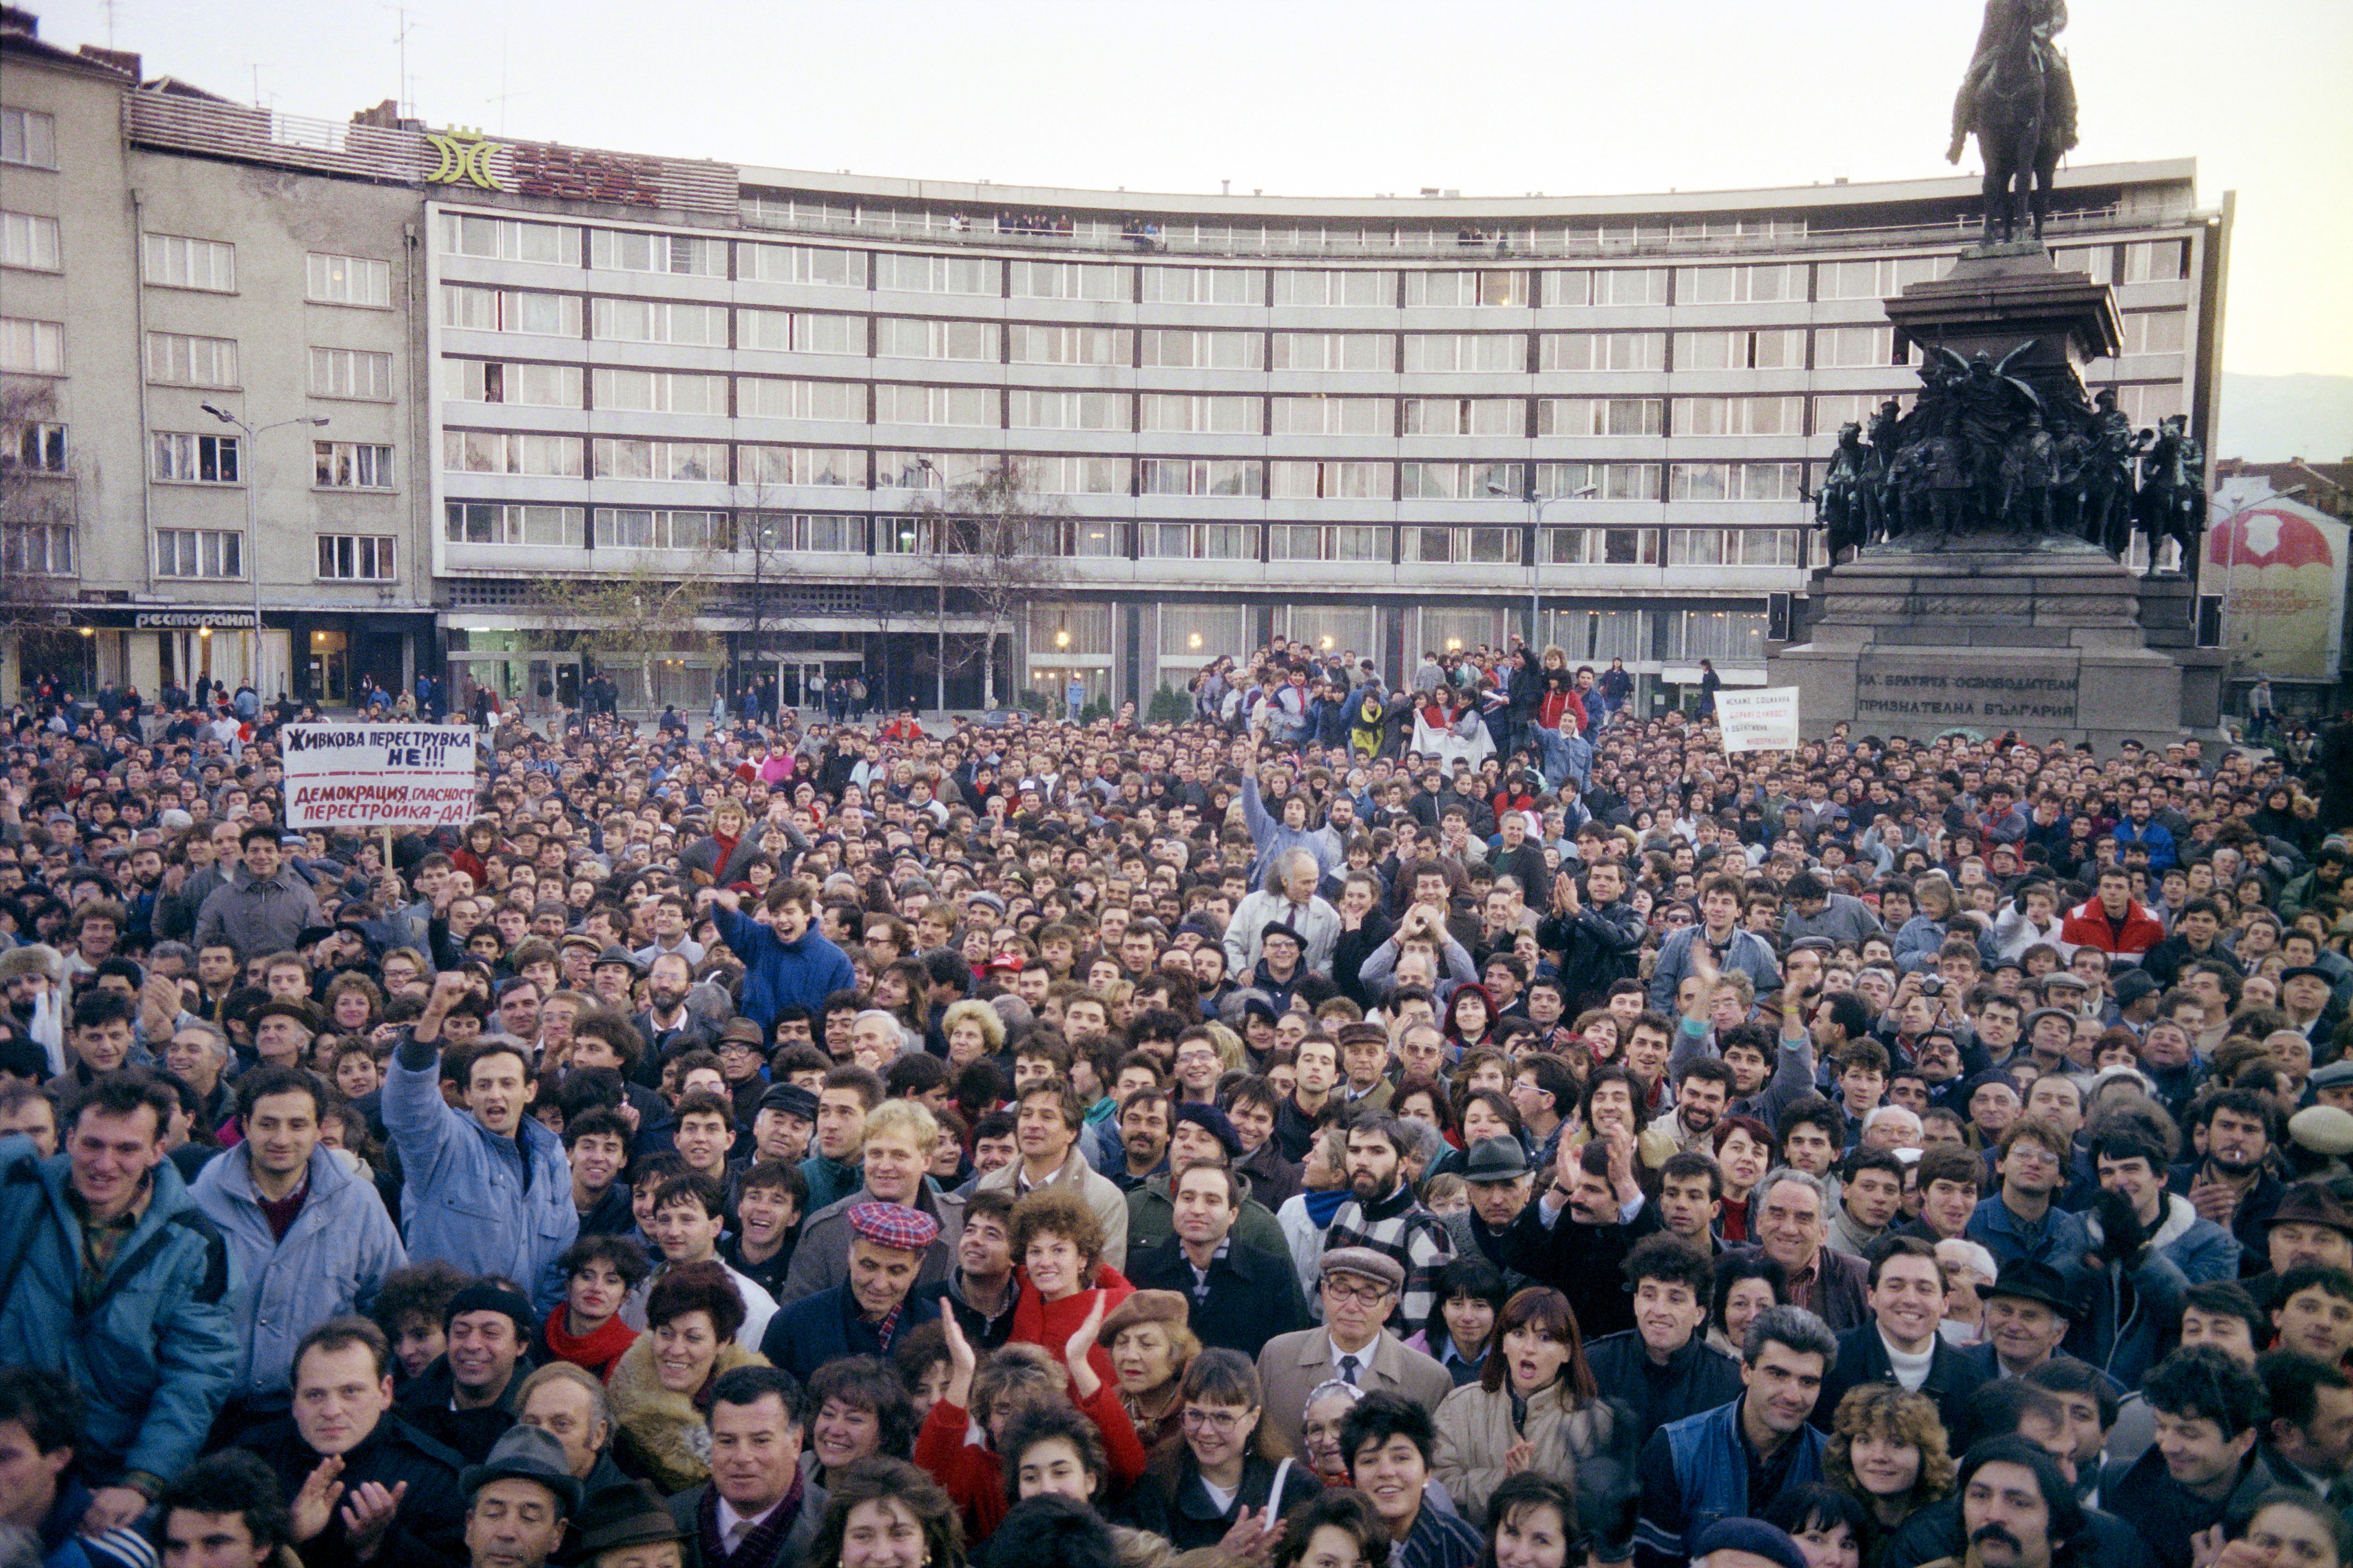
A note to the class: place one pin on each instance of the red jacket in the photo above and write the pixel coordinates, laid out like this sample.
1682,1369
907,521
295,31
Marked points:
972,1475
1038,1321
2088,925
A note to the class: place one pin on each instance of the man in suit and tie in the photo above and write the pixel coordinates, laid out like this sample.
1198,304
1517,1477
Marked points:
1900,1343
1359,1286
757,1511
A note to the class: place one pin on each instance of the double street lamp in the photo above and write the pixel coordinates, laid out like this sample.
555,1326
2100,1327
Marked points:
1536,504
253,522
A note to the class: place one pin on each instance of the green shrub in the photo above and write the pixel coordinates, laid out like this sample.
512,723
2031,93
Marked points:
1168,708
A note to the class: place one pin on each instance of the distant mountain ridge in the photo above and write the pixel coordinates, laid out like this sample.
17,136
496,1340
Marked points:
2271,418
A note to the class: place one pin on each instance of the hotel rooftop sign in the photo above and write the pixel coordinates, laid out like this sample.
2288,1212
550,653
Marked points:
451,160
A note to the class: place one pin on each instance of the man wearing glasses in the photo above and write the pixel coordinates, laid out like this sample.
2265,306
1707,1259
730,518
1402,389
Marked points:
2020,1221
1359,1286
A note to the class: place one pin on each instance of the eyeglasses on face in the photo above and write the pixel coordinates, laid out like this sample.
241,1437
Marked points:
1370,1295
1223,1422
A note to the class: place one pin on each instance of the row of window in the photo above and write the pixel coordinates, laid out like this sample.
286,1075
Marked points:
1019,408
1232,414
201,458
219,553
708,462
513,239
534,313
640,528
182,261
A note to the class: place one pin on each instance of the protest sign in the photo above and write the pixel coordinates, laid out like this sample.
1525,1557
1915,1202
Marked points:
1762,719
378,775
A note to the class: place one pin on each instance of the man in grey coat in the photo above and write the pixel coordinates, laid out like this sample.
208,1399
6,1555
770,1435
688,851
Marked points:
310,1237
265,907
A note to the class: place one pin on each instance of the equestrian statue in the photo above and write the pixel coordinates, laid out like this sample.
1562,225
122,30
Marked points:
2018,100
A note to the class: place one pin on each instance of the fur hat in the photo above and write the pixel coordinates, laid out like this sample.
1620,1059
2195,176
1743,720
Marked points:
33,958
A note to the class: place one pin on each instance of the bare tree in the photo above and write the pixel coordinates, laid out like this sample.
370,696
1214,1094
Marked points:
1000,548
38,505
636,617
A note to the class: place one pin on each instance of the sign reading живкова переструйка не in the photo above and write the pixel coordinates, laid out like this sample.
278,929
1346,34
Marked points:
378,775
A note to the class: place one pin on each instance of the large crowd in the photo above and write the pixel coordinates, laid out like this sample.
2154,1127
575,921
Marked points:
1466,1124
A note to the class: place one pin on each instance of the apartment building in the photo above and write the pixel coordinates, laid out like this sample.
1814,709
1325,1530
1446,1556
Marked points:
140,290
1378,425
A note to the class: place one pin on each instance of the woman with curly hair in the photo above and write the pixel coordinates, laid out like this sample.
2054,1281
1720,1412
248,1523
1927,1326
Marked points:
1534,1408
1053,1449
859,1407
661,1387
973,1030
886,1513
1888,1450
1058,1246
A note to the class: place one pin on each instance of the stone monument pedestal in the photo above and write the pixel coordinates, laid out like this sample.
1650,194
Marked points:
1988,609
1981,635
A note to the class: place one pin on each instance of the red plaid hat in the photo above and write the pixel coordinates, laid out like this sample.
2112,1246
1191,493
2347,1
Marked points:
894,1225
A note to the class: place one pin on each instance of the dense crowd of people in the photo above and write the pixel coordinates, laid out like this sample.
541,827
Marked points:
1467,1124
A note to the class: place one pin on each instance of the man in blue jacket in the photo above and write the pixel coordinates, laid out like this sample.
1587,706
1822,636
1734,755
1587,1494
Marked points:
787,962
487,1187
310,1239
110,1274
1728,1462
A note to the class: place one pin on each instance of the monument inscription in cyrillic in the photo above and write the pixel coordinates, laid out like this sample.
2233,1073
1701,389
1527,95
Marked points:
1951,696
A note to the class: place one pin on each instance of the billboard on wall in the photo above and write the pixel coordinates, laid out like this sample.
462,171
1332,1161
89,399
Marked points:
2279,566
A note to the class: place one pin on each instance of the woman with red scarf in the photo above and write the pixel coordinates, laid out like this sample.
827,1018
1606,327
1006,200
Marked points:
585,1327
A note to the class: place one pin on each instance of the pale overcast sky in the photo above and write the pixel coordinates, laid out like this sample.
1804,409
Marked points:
1304,96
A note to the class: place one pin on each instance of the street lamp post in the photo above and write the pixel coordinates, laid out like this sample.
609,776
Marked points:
253,520
940,602
1537,505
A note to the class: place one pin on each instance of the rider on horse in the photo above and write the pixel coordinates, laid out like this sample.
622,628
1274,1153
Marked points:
2042,20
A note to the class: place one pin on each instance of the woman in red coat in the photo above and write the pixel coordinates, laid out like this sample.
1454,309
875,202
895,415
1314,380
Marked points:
1064,1280
967,1463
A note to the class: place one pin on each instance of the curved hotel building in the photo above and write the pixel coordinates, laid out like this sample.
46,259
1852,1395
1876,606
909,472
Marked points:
1382,425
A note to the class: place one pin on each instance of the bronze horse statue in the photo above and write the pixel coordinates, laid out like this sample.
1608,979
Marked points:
2020,100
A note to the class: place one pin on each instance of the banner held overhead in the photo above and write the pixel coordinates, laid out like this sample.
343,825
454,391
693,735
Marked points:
1762,719
379,775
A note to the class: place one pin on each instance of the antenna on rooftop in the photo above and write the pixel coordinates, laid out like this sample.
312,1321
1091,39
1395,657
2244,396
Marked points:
406,106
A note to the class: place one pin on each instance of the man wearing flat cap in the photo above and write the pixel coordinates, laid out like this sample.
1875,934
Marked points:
283,1029
869,1311
520,1496
1359,1286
